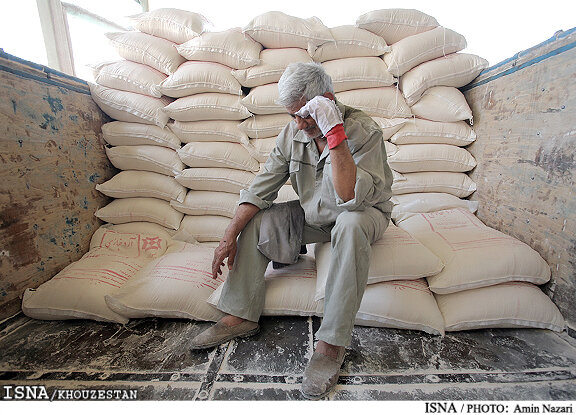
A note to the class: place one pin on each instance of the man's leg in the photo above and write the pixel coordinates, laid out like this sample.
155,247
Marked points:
243,291
352,237
351,240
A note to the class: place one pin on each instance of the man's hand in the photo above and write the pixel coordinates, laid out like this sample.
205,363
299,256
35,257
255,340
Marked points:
228,245
226,249
328,118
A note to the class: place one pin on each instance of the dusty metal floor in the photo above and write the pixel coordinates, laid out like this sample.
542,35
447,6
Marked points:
151,356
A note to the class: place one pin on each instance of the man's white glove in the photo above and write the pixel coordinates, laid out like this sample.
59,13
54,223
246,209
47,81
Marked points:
328,118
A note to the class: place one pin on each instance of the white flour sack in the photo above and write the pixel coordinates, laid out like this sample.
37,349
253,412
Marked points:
205,228
147,228
289,290
384,102
410,158
272,64
474,255
205,202
175,285
350,41
265,126
210,130
456,69
279,30
457,184
389,126
427,202
419,131
507,305
78,291
129,76
400,304
196,77
230,47
139,240
443,104
396,24
153,51
262,100
129,106
134,183
119,133
207,106
260,148
416,49
395,256
217,179
391,149
156,159
218,154
141,209
175,25
358,73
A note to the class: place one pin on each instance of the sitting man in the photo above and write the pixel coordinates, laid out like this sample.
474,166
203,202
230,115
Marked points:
335,159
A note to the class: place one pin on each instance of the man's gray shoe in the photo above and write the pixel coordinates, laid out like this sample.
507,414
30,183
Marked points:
321,375
221,333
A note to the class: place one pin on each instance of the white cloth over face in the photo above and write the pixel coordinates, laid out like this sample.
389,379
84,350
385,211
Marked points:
324,111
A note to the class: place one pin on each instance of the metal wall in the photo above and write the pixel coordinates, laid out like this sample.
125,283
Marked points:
525,118
51,157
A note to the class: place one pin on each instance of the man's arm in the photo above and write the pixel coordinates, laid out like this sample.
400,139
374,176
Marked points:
329,119
260,195
343,171
227,247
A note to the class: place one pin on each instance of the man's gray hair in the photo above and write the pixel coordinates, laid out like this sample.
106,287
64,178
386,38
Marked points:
303,80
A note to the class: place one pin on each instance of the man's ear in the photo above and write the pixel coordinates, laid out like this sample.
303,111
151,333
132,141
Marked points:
329,95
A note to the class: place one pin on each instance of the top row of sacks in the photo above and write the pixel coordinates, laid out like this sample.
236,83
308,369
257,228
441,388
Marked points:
398,35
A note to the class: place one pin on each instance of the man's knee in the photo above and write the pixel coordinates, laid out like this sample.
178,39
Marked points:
348,223
368,223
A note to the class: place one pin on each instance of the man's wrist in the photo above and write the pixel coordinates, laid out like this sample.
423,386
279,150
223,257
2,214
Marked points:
336,136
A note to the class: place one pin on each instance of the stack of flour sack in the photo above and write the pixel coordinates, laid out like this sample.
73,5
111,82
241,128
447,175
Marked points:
195,119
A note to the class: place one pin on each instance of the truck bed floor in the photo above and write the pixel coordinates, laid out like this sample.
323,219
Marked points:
151,357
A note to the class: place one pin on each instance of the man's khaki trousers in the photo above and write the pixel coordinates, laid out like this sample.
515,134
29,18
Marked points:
351,238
